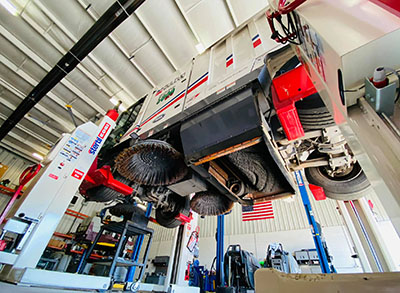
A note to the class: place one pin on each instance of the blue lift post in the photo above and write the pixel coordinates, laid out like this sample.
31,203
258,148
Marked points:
220,252
136,249
323,258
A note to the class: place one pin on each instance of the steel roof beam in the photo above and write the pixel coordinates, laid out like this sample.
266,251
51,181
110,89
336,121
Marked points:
97,32
60,49
31,118
67,124
16,69
17,150
146,27
94,16
38,148
29,132
47,67
53,18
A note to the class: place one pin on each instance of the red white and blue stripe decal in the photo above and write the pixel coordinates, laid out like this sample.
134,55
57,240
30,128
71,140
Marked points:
202,79
229,60
256,40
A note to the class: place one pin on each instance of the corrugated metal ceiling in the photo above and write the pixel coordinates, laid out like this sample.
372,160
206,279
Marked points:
142,52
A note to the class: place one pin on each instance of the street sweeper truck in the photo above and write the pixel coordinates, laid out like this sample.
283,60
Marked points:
230,126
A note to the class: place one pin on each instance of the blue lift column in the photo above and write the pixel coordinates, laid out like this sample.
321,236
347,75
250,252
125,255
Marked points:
323,258
136,249
220,251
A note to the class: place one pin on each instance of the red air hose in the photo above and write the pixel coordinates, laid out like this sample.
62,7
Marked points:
25,177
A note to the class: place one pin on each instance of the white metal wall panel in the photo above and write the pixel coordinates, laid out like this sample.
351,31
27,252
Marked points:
339,246
210,20
161,233
22,136
62,43
199,79
243,50
164,22
131,34
287,216
157,66
79,24
8,76
4,199
9,50
244,10
16,165
378,210
132,38
70,223
219,53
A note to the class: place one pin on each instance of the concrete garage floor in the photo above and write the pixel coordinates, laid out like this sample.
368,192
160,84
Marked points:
7,287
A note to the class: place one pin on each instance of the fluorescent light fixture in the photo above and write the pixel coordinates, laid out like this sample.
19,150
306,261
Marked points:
200,48
37,156
122,108
9,6
113,100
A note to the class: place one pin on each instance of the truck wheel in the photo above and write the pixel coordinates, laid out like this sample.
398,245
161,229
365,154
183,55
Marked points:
122,209
208,203
166,217
251,163
104,194
351,186
313,114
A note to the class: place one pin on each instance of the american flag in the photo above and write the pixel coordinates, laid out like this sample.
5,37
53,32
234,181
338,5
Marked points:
258,211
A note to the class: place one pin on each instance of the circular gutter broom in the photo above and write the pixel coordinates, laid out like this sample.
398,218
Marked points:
208,203
151,162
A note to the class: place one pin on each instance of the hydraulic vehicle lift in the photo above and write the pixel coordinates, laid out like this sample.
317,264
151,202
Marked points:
135,256
220,251
315,228
366,236
33,220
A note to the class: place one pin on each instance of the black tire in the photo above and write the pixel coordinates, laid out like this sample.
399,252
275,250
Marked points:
167,218
122,209
349,187
104,194
313,113
255,168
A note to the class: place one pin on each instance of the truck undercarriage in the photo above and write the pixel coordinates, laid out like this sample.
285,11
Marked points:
233,150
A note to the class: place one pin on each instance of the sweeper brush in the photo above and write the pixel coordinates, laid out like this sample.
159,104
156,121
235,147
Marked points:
207,203
151,162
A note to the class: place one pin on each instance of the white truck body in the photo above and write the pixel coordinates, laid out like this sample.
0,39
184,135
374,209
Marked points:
206,78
